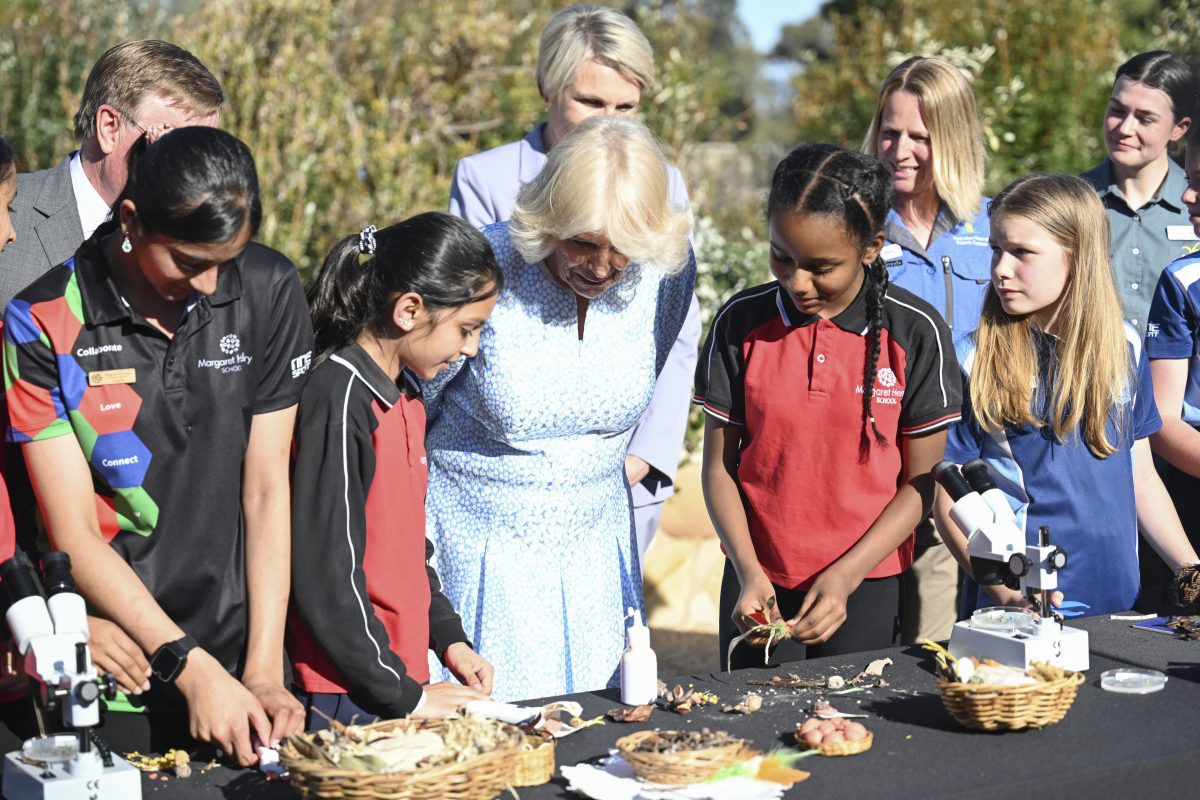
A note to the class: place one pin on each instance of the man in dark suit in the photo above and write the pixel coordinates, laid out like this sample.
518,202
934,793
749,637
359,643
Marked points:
136,88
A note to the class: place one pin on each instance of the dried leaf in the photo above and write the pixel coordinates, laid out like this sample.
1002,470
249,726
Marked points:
635,714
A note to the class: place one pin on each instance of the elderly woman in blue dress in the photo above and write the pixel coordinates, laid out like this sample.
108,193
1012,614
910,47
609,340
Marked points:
528,506
594,61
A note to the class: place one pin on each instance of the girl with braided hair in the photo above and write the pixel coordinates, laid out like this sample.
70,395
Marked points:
828,394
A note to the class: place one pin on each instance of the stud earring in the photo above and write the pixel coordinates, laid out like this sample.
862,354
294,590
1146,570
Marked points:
126,245
406,323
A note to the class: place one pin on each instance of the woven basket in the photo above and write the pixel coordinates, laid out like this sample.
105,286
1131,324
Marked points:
535,763
1010,708
677,768
481,777
847,748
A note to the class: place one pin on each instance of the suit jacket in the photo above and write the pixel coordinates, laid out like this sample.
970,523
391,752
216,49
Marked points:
46,219
484,188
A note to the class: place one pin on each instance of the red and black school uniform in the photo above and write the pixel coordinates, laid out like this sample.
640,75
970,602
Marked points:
163,422
794,383
366,605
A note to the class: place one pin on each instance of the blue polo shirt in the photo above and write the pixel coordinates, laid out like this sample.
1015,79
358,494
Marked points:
1171,327
1087,502
952,274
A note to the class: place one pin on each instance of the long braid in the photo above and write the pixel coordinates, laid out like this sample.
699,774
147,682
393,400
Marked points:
857,189
876,289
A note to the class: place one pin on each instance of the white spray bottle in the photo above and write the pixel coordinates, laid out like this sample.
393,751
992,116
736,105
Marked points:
639,665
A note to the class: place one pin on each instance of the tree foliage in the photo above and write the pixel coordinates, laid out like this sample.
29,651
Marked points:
357,111
1041,70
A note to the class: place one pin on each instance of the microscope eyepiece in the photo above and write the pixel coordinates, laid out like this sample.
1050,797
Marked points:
946,473
976,473
56,567
20,578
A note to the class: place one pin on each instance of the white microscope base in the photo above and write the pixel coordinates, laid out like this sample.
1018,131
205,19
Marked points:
1062,646
121,781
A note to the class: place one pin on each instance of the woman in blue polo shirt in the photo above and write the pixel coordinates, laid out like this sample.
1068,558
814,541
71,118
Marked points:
927,132
1058,400
152,384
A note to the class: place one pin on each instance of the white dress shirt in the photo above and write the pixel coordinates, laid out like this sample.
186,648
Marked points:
93,211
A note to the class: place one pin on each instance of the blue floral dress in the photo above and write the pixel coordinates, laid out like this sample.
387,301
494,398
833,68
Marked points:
528,506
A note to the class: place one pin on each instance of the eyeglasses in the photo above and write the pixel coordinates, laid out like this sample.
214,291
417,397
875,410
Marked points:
161,129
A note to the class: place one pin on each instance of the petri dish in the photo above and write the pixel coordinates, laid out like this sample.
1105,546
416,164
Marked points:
1008,619
1131,680
57,749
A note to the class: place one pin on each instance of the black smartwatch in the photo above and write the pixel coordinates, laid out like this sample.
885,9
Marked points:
169,660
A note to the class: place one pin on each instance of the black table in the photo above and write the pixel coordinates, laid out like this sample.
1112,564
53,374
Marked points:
1109,745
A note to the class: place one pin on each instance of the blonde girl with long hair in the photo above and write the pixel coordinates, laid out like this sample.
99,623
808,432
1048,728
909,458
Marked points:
1058,400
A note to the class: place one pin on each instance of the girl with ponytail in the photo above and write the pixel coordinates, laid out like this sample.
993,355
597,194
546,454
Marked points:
828,394
389,307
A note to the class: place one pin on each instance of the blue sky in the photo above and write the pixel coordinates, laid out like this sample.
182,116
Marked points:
764,18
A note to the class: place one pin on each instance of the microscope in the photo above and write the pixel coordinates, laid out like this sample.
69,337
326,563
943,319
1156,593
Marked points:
51,634
999,556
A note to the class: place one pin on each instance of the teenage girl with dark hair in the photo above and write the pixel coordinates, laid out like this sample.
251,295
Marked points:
389,307
1151,107
153,381
828,396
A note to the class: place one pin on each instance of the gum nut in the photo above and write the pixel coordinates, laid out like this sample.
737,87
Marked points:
810,724
812,738
837,737
836,682
855,734
826,727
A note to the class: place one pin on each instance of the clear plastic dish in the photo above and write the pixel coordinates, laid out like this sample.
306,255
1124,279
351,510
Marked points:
1008,619
1131,680
57,749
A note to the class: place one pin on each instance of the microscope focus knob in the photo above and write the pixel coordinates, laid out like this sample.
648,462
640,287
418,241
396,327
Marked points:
87,693
108,686
1058,558
1018,564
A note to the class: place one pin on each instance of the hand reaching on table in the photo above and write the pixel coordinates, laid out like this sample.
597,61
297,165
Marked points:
756,605
282,708
445,698
824,608
220,709
469,667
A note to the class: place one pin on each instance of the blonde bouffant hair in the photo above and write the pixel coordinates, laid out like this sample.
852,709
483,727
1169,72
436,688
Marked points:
955,137
1092,373
600,33
608,177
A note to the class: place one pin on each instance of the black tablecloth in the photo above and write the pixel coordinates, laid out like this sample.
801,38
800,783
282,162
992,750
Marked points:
1109,745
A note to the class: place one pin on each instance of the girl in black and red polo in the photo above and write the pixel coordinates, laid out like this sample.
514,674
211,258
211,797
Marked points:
388,307
828,394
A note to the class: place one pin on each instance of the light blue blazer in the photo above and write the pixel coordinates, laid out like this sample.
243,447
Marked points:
484,188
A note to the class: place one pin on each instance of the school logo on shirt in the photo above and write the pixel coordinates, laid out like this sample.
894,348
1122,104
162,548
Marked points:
1151,329
886,391
230,345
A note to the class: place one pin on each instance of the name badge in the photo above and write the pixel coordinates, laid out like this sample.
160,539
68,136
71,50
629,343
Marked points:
1181,233
891,253
108,377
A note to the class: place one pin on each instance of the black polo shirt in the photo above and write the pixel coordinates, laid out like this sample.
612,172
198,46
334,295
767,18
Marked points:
795,384
163,422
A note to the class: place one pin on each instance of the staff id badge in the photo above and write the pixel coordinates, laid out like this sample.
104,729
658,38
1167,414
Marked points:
109,377
1181,233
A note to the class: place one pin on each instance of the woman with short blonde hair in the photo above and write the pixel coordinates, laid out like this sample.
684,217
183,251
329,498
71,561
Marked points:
529,504
594,61
610,175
